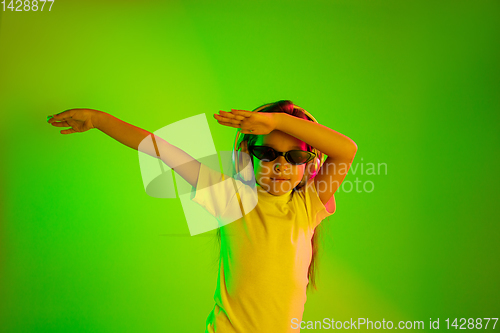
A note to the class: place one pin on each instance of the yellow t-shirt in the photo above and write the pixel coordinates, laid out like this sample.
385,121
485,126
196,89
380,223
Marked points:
264,259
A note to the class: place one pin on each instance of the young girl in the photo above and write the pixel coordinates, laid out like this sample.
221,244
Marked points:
266,256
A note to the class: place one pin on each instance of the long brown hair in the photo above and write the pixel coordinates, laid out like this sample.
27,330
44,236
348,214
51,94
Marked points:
287,106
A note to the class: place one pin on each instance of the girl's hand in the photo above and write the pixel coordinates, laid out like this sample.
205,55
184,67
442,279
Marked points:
80,120
257,123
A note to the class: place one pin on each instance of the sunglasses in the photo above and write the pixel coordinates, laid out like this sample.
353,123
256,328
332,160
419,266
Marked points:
267,154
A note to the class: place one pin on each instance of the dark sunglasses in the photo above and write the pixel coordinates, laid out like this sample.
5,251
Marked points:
267,154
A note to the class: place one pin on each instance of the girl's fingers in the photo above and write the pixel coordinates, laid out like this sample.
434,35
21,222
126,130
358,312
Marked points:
58,118
68,131
241,113
230,115
65,114
226,119
60,124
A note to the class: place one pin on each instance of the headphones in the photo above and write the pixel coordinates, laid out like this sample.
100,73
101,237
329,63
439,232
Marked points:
242,159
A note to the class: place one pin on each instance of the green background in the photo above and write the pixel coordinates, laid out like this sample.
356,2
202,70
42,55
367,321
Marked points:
415,84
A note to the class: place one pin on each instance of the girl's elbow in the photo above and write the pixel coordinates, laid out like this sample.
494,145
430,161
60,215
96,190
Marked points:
354,147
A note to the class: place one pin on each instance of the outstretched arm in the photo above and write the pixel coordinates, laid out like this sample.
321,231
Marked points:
339,148
82,120
177,159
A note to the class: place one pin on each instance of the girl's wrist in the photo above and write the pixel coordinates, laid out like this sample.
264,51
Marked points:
97,118
278,120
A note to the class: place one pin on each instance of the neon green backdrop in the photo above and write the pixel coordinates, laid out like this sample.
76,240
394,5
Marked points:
415,85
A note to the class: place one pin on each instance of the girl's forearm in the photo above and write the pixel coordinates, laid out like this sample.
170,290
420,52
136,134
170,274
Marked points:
326,140
119,130
182,163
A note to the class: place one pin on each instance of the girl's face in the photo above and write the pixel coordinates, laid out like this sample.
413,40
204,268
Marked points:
278,177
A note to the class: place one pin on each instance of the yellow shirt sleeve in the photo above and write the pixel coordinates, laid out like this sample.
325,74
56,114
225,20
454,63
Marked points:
317,210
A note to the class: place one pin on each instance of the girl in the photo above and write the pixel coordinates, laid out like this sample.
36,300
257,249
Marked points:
267,256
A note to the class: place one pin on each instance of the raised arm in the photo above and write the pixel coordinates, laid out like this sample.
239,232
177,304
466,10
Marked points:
339,148
84,119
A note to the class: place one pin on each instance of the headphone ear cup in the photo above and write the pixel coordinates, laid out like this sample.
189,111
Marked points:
317,163
314,168
314,172
244,163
